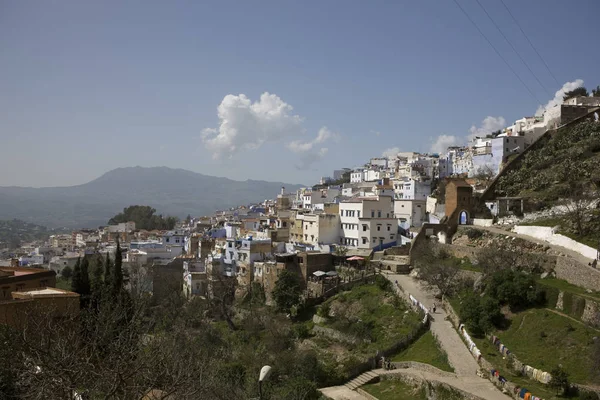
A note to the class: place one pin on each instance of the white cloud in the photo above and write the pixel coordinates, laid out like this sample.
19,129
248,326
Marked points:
297,146
442,143
488,125
391,152
558,96
247,125
309,158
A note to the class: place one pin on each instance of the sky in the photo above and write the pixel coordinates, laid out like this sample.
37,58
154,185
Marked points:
281,91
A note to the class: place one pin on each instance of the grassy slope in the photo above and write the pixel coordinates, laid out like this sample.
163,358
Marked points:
389,318
426,350
565,342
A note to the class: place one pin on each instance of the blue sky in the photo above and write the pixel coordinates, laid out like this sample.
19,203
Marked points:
86,87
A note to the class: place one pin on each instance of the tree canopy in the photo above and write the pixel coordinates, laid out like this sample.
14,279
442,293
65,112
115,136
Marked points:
580,91
287,291
144,218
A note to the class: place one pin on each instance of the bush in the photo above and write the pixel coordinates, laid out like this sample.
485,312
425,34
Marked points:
550,295
301,331
480,314
588,396
515,288
473,233
383,283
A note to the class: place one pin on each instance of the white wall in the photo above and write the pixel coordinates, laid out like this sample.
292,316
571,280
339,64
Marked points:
483,222
548,234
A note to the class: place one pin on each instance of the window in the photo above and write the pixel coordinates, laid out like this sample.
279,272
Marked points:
364,240
391,237
379,214
389,227
378,227
358,214
372,213
230,244
374,239
284,224
305,237
167,240
364,228
388,215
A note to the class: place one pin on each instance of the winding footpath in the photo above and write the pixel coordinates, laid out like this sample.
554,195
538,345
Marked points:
465,366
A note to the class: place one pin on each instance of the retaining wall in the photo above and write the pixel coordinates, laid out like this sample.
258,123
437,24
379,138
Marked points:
432,385
482,222
549,235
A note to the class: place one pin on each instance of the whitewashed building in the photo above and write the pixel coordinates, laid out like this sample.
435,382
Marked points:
368,222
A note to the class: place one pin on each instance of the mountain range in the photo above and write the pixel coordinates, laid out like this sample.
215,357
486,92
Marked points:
176,192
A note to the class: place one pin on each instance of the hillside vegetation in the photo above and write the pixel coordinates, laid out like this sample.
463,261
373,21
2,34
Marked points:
15,232
144,218
569,158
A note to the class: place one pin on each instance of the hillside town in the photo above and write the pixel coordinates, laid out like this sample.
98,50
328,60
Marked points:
359,222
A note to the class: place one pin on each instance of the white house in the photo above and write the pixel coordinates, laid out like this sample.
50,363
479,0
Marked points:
176,237
122,227
410,212
368,222
357,176
411,189
321,228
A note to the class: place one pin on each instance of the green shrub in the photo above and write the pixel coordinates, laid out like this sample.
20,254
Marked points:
474,233
383,283
517,289
550,295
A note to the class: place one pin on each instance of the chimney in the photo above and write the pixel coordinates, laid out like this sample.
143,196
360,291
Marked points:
282,190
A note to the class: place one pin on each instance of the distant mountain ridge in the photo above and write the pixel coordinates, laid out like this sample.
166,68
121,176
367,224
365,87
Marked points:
177,192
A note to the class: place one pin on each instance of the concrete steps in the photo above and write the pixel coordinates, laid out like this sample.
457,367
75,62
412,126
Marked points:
362,379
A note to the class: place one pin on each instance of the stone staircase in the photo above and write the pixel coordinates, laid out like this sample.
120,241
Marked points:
362,379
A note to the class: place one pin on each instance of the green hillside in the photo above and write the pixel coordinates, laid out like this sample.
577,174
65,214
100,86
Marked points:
548,173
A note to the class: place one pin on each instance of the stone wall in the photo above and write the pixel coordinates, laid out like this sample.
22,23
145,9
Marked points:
576,273
432,386
336,335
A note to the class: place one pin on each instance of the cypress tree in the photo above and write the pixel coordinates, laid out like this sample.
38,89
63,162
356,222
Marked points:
76,280
85,277
107,270
97,283
117,278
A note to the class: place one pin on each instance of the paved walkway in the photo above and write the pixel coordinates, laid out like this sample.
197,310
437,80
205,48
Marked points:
465,366
459,356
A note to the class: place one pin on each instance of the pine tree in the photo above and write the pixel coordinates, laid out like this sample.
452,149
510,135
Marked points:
85,277
117,278
76,280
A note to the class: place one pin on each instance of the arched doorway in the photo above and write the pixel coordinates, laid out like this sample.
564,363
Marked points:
463,218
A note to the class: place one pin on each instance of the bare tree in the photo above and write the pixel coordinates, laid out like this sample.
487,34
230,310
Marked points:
438,269
484,175
579,206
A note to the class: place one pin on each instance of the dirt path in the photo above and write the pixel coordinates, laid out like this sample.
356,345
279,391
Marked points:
342,393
